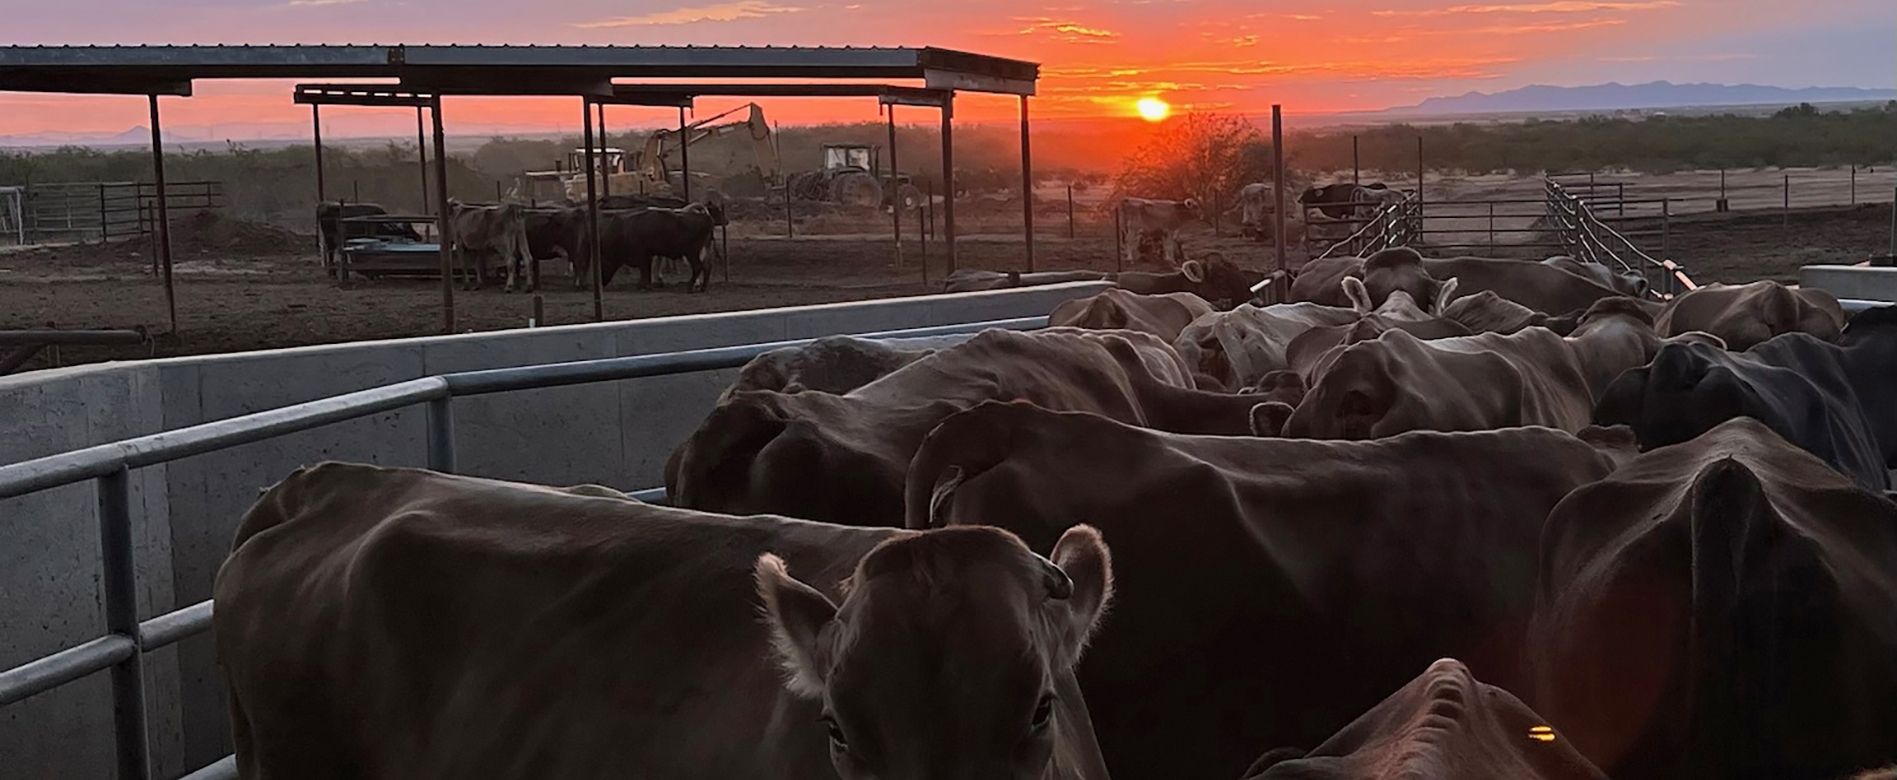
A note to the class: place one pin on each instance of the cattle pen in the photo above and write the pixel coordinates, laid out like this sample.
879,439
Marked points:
127,640
419,77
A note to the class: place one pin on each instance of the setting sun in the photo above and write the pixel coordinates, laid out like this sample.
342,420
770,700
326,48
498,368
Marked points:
1152,109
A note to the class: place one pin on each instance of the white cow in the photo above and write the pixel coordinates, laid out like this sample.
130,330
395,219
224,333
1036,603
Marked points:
1255,208
1141,217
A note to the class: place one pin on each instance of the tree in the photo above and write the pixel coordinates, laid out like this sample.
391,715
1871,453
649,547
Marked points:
1197,155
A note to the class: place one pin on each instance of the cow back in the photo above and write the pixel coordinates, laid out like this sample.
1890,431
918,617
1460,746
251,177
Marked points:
1746,315
1160,315
399,623
1534,285
1721,608
842,458
1252,571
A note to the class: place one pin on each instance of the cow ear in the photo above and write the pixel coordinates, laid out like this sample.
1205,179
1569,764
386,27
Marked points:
1194,271
1697,337
1358,294
1082,555
1268,419
799,618
1445,292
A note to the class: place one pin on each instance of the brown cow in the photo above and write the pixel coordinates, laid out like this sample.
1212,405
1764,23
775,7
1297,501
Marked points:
1239,347
841,458
397,623
1721,608
1398,312
1160,315
1539,287
833,364
488,238
1533,377
1142,218
1267,590
1321,281
1219,281
1444,725
1401,268
1748,314
1486,312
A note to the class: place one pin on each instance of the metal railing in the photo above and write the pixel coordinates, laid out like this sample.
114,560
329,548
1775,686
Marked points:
127,639
1587,238
1394,224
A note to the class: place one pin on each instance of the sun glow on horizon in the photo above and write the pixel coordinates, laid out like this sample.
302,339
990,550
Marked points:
1152,109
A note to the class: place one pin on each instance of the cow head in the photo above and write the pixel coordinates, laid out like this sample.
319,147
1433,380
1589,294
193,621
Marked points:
1220,281
951,655
1401,268
1686,391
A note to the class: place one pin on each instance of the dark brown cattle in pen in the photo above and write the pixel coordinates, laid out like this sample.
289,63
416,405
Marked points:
1160,315
398,623
1748,314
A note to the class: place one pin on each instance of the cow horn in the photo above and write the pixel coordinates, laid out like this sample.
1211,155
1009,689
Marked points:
1059,585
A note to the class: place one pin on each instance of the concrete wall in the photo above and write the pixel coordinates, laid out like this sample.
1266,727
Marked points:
1851,282
616,433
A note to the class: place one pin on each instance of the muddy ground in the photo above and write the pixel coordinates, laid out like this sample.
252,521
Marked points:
241,286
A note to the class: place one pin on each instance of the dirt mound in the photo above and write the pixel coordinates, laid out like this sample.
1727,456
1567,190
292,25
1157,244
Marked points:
213,233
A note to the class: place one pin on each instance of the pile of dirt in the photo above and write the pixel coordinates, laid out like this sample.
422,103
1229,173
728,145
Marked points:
214,233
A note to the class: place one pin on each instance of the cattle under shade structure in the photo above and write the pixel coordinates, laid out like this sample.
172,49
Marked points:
887,96
508,70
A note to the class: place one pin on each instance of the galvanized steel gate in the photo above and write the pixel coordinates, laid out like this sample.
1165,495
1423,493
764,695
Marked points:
127,639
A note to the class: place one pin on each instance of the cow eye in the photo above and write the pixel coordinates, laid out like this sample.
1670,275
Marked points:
1043,711
836,733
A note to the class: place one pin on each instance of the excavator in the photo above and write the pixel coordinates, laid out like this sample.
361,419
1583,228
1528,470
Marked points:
644,171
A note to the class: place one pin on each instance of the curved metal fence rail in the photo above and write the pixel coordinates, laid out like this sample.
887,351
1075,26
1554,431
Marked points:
1586,237
1394,224
127,638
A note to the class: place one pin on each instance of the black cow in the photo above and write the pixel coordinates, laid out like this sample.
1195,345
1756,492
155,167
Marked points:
329,223
1830,399
637,237
619,202
1340,200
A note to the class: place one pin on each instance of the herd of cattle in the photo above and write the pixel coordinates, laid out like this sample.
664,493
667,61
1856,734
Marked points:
1437,519
510,240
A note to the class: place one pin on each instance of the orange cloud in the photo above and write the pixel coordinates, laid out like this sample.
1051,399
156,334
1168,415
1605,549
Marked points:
1065,32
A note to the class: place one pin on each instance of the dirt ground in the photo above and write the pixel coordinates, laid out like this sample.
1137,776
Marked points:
241,286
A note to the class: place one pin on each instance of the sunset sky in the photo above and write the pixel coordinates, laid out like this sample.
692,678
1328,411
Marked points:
1098,56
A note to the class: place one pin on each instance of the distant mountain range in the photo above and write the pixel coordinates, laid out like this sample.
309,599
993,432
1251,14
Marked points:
1658,94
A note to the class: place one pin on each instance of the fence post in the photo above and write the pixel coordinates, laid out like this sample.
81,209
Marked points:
102,229
1893,227
1491,225
1786,215
1853,184
1070,211
790,231
1666,227
441,431
1620,200
119,578
1119,237
1356,171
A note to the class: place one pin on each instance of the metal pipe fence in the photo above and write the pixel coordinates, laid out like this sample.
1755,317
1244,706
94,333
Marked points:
126,640
106,210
